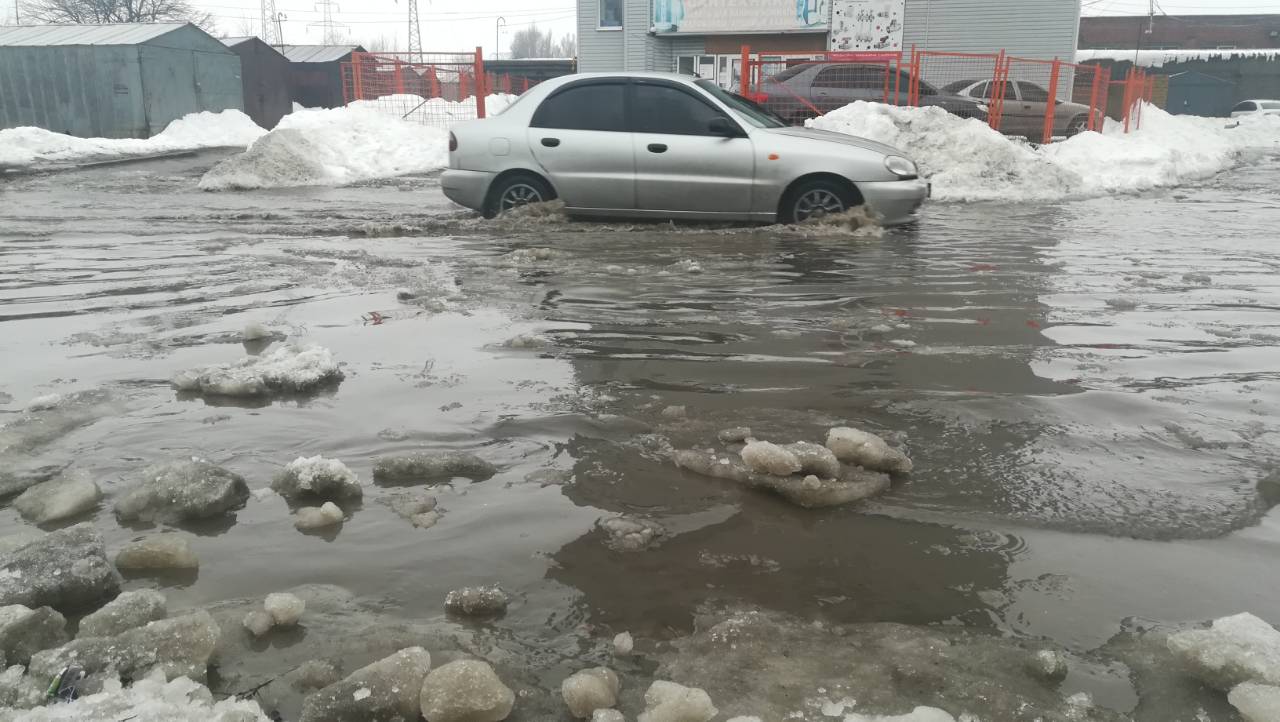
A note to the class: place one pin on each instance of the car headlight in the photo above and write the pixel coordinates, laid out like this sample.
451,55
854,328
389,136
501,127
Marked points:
901,167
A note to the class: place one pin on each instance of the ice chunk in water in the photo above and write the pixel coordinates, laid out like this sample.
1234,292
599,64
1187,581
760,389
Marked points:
258,622
179,647
815,459
316,476
418,509
318,517
866,450
255,331
67,496
589,690
623,643
128,611
675,412
385,690
287,370
23,632
1049,665
44,403
919,714
66,569
427,467
150,699
1256,702
736,435
765,458
465,691
18,691
477,601
160,551
607,715
630,534
182,490
854,483
285,609
1233,650
671,702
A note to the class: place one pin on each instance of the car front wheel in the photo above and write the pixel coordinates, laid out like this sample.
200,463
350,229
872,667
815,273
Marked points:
816,199
517,190
1078,125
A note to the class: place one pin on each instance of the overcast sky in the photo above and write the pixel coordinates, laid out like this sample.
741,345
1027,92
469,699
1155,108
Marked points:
458,24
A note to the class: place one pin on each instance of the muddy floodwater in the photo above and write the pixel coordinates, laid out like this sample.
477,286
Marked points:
1088,389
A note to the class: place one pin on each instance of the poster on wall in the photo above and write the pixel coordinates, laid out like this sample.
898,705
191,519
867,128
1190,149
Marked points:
867,25
740,16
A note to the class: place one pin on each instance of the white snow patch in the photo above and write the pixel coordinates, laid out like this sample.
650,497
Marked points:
436,111
1256,702
967,160
27,146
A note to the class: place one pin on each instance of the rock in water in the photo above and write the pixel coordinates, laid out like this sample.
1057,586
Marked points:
162,551
285,609
477,601
590,690
319,478
1233,650
763,457
867,450
671,702
23,632
427,467
465,691
128,611
62,498
177,647
318,517
385,691
181,491
1256,702
66,569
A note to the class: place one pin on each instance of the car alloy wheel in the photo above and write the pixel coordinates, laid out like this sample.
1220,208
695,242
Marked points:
518,194
817,203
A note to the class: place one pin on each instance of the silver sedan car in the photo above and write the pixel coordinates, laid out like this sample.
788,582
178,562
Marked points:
656,145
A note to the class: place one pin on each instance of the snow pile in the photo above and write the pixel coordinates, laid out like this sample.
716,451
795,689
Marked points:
966,160
333,147
288,369
26,146
151,698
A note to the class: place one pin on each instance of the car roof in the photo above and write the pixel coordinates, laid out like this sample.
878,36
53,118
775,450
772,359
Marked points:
1260,100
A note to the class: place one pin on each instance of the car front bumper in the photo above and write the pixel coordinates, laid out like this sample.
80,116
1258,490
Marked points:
895,202
466,187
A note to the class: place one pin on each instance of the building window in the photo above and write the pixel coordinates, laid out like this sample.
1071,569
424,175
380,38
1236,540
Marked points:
610,14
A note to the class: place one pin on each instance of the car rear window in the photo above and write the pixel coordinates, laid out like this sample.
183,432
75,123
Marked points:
587,106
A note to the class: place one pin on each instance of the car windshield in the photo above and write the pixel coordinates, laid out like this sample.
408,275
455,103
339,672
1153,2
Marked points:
743,108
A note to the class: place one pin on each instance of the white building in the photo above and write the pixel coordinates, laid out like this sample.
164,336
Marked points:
706,36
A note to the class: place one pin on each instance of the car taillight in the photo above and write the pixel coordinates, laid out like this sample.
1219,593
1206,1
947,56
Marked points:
453,142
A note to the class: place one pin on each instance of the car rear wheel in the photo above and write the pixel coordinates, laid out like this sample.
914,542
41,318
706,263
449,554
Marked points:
1078,125
514,191
816,199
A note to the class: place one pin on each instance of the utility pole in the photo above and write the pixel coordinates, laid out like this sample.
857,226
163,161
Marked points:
17,20
1151,18
497,37
279,20
415,30
269,27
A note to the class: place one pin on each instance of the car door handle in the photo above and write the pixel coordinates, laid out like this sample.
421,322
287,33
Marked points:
657,148
551,142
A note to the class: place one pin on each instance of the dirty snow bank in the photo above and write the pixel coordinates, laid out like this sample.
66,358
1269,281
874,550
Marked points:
26,146
364,141
966,160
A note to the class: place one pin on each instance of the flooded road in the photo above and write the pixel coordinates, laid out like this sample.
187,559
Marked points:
1087,389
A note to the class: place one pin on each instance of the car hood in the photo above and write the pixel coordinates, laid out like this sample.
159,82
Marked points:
833,137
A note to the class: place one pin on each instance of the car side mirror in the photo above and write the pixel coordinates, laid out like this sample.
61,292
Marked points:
723,127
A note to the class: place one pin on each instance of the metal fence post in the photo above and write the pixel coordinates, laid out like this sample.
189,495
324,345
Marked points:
1051,109
1093,99
356,80
744,81
995,112
481,91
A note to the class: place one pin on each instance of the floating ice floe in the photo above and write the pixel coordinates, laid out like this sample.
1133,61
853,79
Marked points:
1233,650
465,691
66,569
150,698
488,601
385,690
853,484
670,702
630,534
309,518
317,477
432,466
286,370
180,491
128,611
589,690
66,496
157,552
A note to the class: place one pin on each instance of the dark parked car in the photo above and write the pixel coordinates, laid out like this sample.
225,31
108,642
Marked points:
806,90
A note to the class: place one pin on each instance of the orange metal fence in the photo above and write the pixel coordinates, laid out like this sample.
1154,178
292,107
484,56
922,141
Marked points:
435,89
1041,100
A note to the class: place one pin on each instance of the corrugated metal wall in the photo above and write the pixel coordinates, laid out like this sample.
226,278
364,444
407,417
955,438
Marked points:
1027,28
265,76
117,91
78,90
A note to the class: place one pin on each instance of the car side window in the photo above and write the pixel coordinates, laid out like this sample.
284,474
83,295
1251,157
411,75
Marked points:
980,90
1009,93
1243,107
589,106
1033,93
669,110
849,78
1271,106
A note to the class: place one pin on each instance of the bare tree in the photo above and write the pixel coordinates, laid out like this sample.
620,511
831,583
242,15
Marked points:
382,44
245,27
533,43
63,12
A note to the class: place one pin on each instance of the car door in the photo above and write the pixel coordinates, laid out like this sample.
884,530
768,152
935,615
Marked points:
681,165
579,137
1013,121
1035,104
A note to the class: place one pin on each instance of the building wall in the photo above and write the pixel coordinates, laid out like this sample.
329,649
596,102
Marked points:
1180,32
603,50
1044,29
1249,78
265,75
85,91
